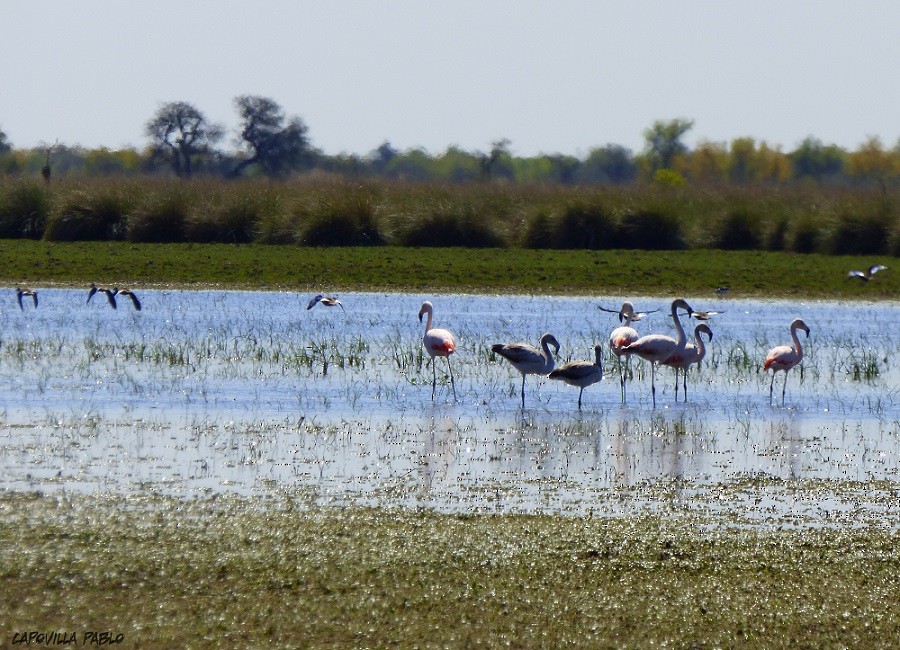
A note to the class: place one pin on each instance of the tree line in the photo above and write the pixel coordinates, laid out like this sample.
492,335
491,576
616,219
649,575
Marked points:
183,142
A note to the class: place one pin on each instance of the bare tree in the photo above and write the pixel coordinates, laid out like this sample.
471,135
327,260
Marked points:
179,133
271,141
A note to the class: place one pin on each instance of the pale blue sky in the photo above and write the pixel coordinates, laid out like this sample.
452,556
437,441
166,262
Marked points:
560,76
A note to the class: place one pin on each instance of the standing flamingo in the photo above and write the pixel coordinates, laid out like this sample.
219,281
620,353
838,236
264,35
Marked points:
527,359
621,337
656,348
438,343
690,355
785,357
581,373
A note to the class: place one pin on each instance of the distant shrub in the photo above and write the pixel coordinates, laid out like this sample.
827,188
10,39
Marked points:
805,236
231,219
161,218
858,235
584,226
649,230
776,237
24,206
456,225
539,232
86,215
738,230
345,221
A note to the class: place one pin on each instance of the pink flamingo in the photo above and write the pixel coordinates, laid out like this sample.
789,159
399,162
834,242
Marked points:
656,348
527,359
438,343
621,337
690,355
581,373
785,357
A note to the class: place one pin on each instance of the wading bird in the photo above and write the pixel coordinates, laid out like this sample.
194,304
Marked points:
690,355
656,348
528,359
785,357
581,373
722,291
623,336
327,301
26,292
867,275
438,343
110,294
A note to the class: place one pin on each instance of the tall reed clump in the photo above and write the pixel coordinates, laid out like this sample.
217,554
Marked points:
451,224
340,220
574,225
649,230
162,215
232,215
24,207
98,212
859,234
739,229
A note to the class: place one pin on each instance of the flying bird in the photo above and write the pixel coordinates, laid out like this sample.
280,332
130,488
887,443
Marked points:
110,294
656,348
705,315
634,317
687,357
868,274
438,343
785,357
129,294
528,359
581,373
327,301
26,292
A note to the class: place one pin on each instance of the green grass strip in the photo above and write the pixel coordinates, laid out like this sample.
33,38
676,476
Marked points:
457,270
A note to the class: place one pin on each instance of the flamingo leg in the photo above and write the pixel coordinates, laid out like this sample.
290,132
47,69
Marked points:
452,383
621,377
653,381
676,384
433,377
523,390
579,397
784,388
684,380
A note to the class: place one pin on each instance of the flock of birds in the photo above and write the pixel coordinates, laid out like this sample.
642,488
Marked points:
624,341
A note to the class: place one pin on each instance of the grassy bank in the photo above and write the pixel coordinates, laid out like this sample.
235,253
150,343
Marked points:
458,270
204,574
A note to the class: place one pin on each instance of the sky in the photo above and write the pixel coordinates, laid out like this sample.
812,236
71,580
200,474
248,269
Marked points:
559,76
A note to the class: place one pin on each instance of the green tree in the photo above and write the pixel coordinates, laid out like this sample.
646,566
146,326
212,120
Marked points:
179,134
664,142
609,164
272,141
5,146
815,160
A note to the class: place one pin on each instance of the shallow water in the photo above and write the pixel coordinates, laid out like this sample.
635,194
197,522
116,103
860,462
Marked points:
250,393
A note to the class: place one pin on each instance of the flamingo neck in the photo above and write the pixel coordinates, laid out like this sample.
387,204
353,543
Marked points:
797,346
701,346
545,345
428,314
681,341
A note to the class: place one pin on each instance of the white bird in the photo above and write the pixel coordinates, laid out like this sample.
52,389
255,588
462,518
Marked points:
785,357
581,373
656,348
705,315
528,359
690,355
866,275
327,301
26,292
438,343
623,336
635,315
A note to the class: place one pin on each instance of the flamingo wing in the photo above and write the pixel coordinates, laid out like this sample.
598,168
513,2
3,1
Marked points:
518,353
782,357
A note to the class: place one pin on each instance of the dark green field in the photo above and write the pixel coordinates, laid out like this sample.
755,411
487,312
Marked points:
456,270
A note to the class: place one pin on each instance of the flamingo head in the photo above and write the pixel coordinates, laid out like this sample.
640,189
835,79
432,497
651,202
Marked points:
549,339
427,308
681,303
703,327
798,324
